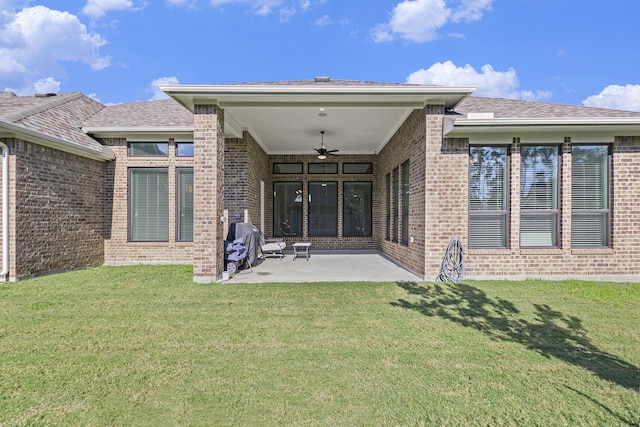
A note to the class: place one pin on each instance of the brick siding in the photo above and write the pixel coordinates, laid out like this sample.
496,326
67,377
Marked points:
118,250
56,213
620,259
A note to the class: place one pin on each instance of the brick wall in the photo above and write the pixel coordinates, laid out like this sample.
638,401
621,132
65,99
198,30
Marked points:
246,165
118,249
408,143
621,259
56,214
208,253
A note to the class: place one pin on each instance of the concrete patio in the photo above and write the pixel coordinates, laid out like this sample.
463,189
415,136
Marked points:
324,266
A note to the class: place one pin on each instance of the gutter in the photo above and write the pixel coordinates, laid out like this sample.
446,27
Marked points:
105,154
5,209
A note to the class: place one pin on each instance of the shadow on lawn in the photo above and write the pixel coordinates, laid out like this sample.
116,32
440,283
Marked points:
552,333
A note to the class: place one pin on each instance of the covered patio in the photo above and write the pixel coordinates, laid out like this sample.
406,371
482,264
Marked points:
332,163
327,266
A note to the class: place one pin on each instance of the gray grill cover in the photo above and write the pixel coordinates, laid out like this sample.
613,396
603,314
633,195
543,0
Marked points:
251,238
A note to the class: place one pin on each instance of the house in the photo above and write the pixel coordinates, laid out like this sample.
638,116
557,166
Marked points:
532,189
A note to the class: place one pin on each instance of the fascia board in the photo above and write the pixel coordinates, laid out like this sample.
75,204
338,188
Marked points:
140,132
310,95
618,126
199,90
567,121
105,154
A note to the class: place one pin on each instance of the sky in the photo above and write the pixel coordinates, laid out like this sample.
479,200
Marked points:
578,52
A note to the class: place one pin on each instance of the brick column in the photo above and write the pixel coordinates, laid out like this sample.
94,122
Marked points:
446,184
208,192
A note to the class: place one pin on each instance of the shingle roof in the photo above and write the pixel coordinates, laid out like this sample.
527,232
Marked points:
55,116
516,109
164,113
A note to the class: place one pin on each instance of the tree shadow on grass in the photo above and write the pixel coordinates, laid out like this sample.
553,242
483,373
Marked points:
552,333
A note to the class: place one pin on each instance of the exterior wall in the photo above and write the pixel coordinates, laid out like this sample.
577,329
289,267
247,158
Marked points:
208,201
246,164
56,213
622,258
323,243
117,247
408,143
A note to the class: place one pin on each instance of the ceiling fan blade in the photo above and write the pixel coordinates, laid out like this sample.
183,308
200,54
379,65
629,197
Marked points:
332,151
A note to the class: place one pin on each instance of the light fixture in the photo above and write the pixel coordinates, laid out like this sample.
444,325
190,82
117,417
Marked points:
322,153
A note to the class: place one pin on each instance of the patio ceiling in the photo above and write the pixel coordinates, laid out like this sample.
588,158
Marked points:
288,118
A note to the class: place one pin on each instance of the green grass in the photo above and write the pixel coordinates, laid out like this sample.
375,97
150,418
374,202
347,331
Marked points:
145,346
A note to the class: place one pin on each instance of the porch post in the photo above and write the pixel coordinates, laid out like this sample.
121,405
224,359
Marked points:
208,191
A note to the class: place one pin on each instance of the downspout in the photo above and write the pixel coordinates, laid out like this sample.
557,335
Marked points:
5,210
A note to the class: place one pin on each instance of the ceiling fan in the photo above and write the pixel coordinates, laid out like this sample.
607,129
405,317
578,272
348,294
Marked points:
322,151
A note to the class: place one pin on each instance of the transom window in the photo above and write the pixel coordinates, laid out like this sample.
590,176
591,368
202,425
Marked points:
488,196
148,149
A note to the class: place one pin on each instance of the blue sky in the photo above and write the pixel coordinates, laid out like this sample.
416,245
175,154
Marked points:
581,52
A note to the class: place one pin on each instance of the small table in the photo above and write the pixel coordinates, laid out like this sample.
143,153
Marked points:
301,248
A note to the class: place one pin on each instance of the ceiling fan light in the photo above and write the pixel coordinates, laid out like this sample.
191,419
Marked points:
322,156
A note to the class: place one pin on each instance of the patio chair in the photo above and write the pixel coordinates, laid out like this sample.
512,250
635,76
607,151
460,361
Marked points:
272,247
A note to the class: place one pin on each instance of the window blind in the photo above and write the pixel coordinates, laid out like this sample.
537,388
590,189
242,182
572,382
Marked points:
149,205
591,216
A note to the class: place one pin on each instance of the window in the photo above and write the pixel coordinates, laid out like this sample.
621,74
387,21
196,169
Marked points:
287,168
539,196
184,149
185,204
323,168
147,149
287,209
148,204
356,209
395,213
590,205
387,233
404,238
323,209
488,196
357,168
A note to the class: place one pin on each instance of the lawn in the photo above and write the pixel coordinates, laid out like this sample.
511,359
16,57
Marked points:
145,345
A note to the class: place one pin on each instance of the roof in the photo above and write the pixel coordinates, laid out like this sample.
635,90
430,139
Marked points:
52,120
513,108
288,117
162,114
498,120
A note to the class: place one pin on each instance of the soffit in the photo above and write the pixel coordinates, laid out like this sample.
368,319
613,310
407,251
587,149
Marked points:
288,118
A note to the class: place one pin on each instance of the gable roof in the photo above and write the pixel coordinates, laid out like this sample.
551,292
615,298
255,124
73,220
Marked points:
288,117
52,120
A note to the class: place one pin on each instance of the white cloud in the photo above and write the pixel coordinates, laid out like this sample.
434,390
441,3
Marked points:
323,21
98,8
36,41
488,82
46,85
259,7
154,87
616,97
419,20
